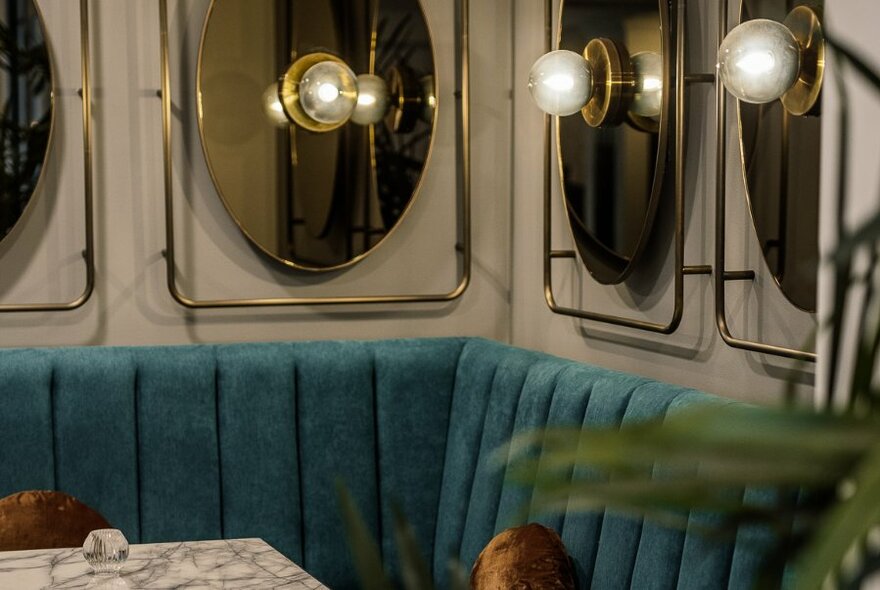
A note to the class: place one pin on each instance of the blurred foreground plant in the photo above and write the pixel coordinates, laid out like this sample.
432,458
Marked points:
823,465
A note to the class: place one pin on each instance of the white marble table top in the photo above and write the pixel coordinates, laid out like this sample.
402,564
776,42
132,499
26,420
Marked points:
234,564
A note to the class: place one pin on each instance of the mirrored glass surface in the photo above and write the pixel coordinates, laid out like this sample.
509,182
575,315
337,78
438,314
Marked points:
316,200
26,118
613,175
781,164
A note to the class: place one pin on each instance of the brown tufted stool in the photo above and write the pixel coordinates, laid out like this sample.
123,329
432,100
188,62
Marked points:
45,520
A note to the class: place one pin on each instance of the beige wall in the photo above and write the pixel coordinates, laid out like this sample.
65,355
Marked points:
131,304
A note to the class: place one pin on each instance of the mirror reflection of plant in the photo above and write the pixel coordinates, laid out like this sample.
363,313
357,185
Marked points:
23,139
400,161
400,158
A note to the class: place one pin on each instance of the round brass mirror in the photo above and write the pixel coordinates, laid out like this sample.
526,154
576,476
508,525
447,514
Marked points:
317,120
28,114
781,163
612,159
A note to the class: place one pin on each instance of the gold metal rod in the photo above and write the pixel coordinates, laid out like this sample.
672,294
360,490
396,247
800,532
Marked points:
721,223
465,240
703,269
708,78
680,129
88,185
563,254
739,275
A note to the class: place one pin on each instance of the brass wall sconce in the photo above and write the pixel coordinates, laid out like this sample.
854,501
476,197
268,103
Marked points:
640,95
40,59
760,62
605,84
612,88
319,93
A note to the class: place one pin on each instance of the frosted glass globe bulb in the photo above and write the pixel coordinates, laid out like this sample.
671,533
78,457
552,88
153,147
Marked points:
328,92
561,82
759,61
648,98
273,108
372,101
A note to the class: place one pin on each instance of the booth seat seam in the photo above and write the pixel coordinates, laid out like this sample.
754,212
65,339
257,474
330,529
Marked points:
220,482
450,406
377,454
53,427
519,398
544,423
588,395
665,412
297,426
470,495
137,451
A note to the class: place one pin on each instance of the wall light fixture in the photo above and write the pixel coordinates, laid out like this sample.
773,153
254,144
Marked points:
605,83
762,60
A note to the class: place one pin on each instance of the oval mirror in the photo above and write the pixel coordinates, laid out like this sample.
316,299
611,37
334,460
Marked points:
317,120
612,173
781,163
26,89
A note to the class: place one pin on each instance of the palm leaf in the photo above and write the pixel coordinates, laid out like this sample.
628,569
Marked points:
414,571
364,550
848,522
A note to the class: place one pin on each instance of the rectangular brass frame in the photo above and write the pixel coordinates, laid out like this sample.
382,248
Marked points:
465,246
721,223
680,269
89,251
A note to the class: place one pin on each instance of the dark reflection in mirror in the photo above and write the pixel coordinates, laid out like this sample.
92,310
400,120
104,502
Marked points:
613,175
781,164
315,201
26,119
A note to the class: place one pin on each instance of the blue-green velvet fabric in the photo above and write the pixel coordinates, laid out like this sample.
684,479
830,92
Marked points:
249,440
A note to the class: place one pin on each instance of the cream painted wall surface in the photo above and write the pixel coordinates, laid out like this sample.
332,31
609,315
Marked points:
848,23
131,304
694,356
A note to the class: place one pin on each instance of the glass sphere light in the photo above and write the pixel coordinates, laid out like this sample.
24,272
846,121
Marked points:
759,61
648,98
372,101
273,108
561,82
328,92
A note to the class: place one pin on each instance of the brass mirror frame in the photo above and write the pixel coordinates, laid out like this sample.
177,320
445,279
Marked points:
612,72
678,140
401,113
463,247
89,250
721,223
801,100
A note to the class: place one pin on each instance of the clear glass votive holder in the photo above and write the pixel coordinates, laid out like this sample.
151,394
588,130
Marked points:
106,551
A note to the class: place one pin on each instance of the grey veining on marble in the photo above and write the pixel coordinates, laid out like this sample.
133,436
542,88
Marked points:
234,564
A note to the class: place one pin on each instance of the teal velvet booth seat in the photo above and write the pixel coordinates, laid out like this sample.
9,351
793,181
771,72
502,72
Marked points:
247,440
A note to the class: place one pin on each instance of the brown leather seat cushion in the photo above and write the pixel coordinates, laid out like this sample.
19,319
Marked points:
45,520
530,557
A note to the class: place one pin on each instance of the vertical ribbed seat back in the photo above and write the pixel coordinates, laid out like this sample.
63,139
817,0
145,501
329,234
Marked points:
249,440
209,442
501,391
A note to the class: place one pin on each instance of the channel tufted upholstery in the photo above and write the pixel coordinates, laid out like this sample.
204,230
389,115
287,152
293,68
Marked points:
247,440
